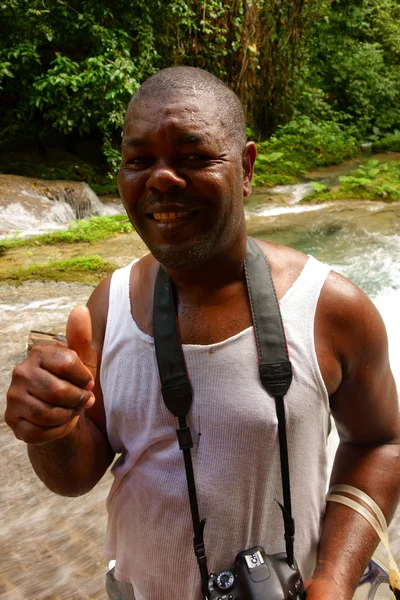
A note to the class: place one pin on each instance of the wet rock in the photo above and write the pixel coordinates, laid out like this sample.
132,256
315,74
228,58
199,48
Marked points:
58,201
267,196
350,214
278,195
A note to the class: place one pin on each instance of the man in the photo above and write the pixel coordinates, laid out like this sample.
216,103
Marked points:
185,169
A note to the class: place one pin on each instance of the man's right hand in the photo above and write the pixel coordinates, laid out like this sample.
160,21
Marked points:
52,387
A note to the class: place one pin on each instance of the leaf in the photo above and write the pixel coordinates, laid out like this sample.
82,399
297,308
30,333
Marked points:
270,158
319,187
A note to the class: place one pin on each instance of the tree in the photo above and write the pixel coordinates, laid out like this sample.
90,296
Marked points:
71,66
354,58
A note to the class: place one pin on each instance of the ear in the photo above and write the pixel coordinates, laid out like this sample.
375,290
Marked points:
248,160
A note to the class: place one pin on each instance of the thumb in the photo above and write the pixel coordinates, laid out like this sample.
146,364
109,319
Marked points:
79,337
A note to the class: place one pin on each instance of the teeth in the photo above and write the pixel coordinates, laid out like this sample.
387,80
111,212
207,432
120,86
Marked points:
170,216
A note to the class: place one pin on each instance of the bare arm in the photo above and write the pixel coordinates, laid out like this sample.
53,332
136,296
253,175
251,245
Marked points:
364,405
55,404
74,464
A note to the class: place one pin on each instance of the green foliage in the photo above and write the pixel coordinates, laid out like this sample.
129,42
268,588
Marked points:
265,179
314,102
71,66
374,179
84,231
106,188
266,72
78,63
90,270
389,143
302,145
59,165
354,64
371,181
72,61
319,187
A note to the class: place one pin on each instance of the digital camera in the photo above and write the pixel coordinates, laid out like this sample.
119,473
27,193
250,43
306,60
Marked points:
257,576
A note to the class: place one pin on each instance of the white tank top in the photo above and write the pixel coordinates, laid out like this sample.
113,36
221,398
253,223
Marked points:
235,455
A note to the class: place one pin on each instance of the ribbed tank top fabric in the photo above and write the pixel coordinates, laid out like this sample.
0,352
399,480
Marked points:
235,456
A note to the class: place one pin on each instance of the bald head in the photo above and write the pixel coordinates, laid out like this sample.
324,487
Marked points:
176,81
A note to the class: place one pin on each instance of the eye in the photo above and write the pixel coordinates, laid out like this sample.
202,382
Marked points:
195,158
139,162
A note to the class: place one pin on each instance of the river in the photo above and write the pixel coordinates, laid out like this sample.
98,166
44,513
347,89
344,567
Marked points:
51,546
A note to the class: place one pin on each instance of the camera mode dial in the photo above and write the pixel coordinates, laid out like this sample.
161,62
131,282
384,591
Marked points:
225,580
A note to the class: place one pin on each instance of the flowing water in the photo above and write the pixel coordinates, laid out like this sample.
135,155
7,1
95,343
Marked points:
52,546
19,221
29,206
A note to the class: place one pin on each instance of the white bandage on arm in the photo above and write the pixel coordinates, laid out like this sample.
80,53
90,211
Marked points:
378,522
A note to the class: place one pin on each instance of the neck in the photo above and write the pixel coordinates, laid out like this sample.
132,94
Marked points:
221,272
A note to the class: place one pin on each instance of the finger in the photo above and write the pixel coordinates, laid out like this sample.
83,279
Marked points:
56,360
47,415
23,405
34,434
56,391
79,337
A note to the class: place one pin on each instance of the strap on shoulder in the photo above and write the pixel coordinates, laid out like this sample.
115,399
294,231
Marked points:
275,368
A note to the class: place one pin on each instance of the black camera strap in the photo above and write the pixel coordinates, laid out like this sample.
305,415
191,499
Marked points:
274,365
177,394
275,375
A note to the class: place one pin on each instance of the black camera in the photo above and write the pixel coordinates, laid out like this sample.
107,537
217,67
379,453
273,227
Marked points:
257,576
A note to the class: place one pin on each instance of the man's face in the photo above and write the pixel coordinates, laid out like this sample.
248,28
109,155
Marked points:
181,178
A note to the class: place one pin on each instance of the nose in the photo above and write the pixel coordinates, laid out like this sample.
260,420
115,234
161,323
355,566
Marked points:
163,177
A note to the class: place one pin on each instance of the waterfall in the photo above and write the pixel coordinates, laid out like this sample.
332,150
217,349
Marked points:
29,206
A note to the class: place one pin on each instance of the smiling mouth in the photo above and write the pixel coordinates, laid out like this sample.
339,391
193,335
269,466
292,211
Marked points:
171,217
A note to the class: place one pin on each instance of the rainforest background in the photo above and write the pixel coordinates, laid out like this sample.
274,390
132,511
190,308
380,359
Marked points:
317,78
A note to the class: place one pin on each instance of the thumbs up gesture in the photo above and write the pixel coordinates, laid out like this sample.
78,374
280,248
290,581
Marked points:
79,337
51,388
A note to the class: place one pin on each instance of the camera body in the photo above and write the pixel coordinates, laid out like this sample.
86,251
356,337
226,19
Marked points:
257,576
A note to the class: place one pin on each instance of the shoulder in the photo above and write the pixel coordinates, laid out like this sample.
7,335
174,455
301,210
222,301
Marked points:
98,302
350,336
98,308
364,402
352,323
285,263
352,340
343,307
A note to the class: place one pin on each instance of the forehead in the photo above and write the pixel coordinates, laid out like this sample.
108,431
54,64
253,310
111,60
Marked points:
184,114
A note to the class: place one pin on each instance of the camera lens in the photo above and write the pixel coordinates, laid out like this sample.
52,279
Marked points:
225,580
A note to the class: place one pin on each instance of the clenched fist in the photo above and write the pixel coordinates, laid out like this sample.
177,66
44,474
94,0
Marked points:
50,389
